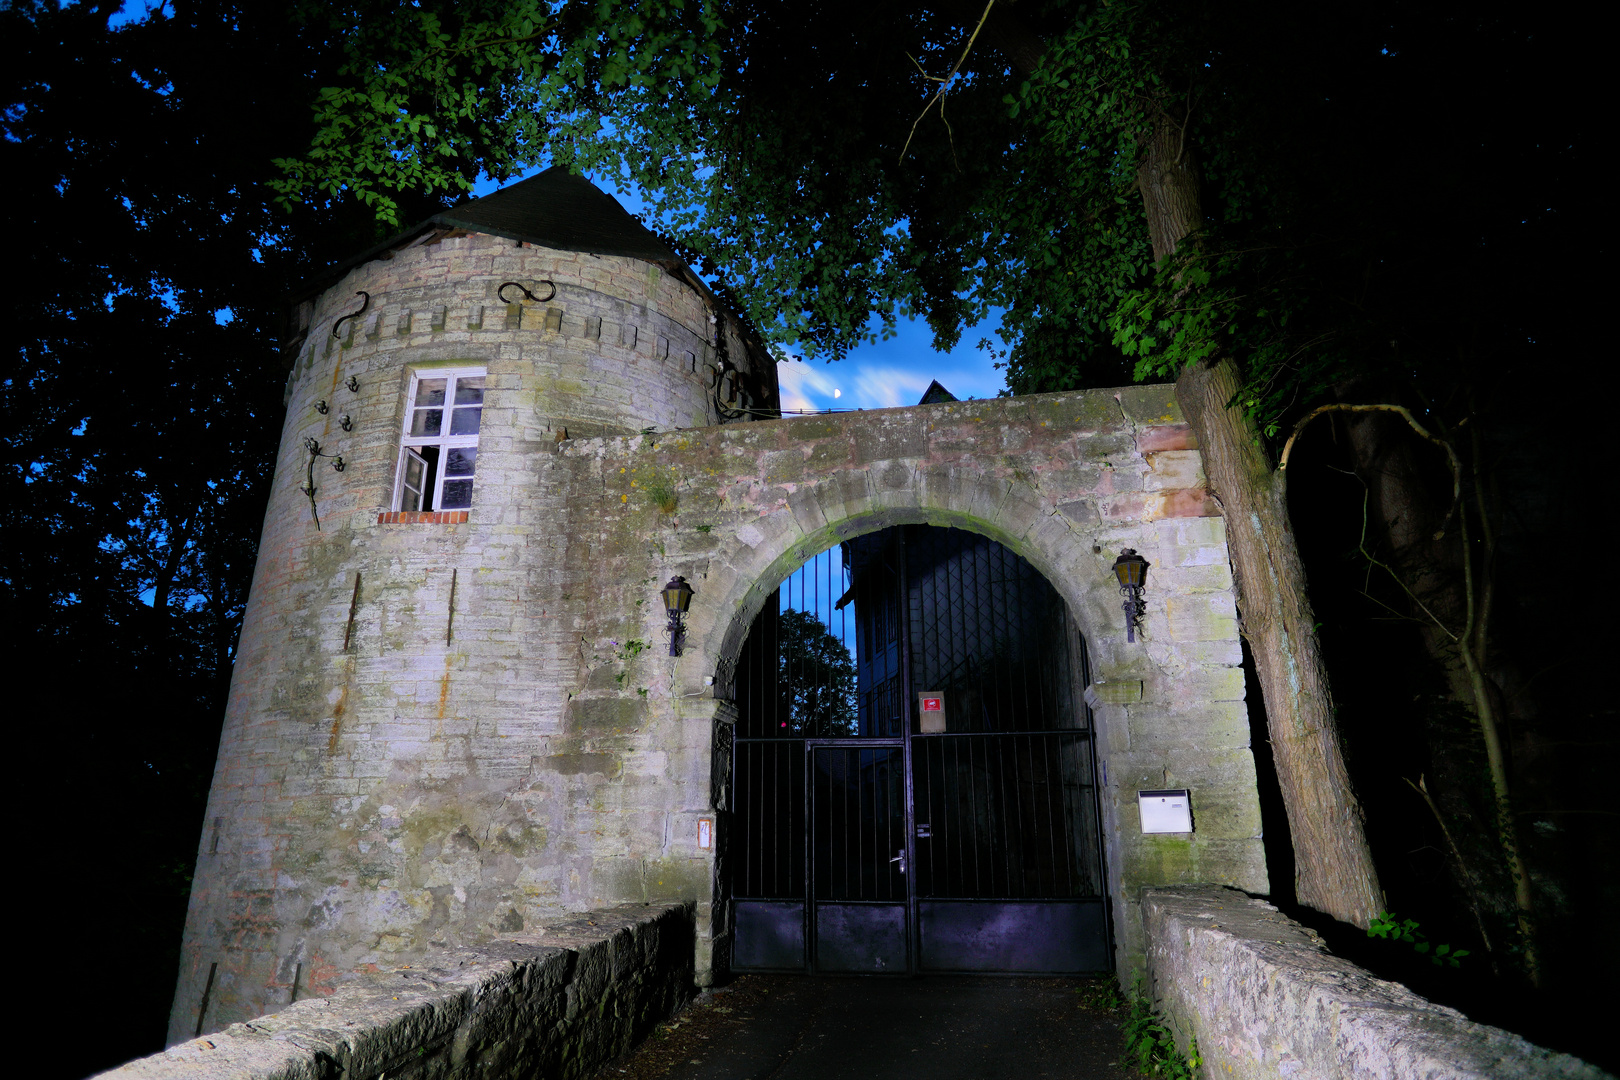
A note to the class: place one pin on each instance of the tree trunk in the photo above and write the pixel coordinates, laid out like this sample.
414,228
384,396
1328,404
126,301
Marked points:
1333,864
1452,604
1406,514
1171,191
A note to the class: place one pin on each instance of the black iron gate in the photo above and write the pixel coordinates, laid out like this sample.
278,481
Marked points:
913,768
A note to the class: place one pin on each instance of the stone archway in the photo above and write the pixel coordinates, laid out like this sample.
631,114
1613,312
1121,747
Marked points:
1066,481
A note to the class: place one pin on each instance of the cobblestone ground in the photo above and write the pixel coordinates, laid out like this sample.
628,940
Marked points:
944,1028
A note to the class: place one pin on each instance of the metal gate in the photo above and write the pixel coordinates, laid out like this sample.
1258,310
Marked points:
913,768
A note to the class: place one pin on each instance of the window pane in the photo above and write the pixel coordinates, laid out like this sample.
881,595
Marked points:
427,421
416,487
464,421
458,461
415,474
457,495
430,392
469,390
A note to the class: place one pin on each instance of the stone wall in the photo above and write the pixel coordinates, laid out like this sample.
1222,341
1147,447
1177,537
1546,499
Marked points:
442,732
1266,1000
1065,480
559,1003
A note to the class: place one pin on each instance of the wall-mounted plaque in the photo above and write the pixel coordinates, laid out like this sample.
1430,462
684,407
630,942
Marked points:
931,707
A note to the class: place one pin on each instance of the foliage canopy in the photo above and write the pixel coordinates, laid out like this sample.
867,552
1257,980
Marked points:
785,147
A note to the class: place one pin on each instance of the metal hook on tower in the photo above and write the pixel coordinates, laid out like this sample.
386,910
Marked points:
500,293
365,304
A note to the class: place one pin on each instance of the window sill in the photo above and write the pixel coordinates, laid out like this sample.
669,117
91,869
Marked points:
422,517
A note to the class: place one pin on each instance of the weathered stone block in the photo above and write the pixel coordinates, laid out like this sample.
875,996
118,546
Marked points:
1215,725
1118,692
606,715
1151,405
1170,470
1202,617
1194,688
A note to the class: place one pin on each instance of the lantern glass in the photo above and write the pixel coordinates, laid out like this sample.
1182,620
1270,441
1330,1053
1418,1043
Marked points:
1130,568
677,595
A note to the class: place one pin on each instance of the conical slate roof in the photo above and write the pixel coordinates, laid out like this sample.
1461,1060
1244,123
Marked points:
559,210
555,209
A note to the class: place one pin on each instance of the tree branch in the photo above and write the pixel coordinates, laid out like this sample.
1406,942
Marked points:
469,49
1361,545
944,84
1402,410
1468,881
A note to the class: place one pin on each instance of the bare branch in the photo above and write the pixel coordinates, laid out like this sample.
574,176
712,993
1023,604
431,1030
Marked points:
944,84
1361,545
1402,410
1469,884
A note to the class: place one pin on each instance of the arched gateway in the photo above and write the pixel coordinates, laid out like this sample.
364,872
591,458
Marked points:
453,712
913,782
1064,481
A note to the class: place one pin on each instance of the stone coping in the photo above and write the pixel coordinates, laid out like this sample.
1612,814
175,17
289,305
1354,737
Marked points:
558,1002
1266,999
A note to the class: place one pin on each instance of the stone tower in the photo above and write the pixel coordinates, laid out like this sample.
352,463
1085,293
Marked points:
404,761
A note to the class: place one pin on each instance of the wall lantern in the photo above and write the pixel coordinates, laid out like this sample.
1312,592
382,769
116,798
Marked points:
1131,569
677,598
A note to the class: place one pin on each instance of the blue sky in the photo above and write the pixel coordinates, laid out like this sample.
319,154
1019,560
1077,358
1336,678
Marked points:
881,375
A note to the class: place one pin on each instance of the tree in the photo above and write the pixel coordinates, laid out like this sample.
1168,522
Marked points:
1158,182
141,406
815,677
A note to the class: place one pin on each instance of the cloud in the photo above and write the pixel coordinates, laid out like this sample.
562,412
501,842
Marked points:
806,387
891,372
885,387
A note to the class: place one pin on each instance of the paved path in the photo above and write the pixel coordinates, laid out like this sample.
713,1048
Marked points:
943,1028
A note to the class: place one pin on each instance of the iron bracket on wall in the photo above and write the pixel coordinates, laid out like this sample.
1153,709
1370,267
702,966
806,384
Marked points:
500,293
365,304
309,488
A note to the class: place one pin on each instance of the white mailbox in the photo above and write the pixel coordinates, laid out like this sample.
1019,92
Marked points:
1165,811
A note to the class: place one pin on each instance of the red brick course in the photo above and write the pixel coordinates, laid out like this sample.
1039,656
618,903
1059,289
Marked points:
422,517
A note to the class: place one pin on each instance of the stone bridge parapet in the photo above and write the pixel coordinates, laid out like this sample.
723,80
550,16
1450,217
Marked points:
1266,1000
560,1001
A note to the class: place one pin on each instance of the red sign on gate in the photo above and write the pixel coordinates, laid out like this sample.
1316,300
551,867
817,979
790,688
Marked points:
931,707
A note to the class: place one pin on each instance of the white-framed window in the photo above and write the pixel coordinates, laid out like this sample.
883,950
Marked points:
438,454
